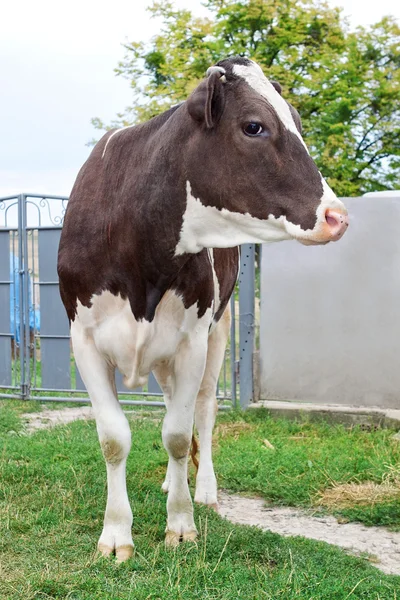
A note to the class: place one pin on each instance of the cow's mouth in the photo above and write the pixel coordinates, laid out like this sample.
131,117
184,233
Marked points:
308,242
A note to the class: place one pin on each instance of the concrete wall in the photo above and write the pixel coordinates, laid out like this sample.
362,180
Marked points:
330,316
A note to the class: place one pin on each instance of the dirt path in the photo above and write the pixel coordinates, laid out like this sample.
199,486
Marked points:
380,544
50,418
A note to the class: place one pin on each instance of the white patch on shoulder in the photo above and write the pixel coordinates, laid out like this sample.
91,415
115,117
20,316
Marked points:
256,79
208,227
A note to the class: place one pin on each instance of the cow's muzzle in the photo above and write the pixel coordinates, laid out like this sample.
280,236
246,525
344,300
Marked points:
337,222
331,228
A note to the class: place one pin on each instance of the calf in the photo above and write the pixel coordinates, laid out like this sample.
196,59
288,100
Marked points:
148,259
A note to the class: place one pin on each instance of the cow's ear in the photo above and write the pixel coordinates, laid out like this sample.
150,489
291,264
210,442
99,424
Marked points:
206,103
277,86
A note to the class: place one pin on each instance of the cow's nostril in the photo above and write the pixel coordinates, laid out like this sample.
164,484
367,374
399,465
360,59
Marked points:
337,222
332,222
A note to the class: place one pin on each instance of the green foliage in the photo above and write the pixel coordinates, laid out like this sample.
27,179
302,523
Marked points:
345,84
52,499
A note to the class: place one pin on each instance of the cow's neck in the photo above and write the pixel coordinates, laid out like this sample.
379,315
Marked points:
207,226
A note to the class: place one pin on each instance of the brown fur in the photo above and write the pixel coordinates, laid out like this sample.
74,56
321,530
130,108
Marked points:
125,213
194,448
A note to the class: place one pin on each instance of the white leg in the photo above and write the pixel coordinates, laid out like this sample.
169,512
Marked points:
206,410
177,432
163,375
115,440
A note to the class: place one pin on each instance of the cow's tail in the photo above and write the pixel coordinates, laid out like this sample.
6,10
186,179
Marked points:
194,448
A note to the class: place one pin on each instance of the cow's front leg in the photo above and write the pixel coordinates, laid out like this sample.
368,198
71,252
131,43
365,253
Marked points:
115,441
206,410
177,433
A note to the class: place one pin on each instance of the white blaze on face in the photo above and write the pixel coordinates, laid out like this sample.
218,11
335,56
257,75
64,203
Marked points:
256,79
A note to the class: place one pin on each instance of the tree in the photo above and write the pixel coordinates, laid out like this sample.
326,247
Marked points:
345,84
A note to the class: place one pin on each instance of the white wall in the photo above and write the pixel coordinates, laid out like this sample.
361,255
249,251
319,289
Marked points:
330,316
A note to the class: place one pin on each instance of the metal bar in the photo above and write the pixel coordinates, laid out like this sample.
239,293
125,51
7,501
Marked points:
87,401
21,233
14,300
44,228
25,312
71,391
246,323
10,335
34,307
44,197
41,336
233,351
47,282
127,393
7,198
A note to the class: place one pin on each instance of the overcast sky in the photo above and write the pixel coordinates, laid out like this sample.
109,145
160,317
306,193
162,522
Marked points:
56,73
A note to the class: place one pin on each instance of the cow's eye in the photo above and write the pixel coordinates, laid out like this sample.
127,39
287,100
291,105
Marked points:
253,129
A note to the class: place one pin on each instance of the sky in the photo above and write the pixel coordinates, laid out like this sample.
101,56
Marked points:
56,73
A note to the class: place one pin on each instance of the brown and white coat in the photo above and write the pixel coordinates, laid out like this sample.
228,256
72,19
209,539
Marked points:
148,259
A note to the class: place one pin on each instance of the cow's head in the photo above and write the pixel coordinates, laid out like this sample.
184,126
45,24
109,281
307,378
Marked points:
250,176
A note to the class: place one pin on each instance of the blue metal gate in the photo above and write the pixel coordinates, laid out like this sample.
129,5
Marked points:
35,350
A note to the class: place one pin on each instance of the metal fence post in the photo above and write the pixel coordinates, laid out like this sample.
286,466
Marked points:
233,351
21,275
25,309
246,323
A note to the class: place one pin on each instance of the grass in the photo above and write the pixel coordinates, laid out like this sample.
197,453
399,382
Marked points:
308,461
52,498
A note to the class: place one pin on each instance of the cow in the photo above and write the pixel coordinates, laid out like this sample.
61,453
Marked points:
148,260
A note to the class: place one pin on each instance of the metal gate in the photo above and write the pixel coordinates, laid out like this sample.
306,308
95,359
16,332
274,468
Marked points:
36,361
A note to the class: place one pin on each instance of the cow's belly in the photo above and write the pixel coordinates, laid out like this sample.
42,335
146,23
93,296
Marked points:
136,347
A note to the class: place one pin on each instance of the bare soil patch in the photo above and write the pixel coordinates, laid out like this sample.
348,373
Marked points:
379,545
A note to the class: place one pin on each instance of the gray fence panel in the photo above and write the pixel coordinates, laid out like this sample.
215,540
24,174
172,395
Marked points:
54,326
120,385
5,334
330,316
153,386
79,385
246,323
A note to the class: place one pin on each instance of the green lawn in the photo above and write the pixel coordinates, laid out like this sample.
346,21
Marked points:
52,497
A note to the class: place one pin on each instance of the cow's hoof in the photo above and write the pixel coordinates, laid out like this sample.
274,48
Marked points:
173,539
122,553
189,536
214,506
104,549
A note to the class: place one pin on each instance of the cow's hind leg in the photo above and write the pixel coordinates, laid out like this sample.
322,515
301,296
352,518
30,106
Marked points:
188,370
115,441
206,410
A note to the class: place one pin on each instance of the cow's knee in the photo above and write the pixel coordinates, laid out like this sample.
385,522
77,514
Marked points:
115,442
176,443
